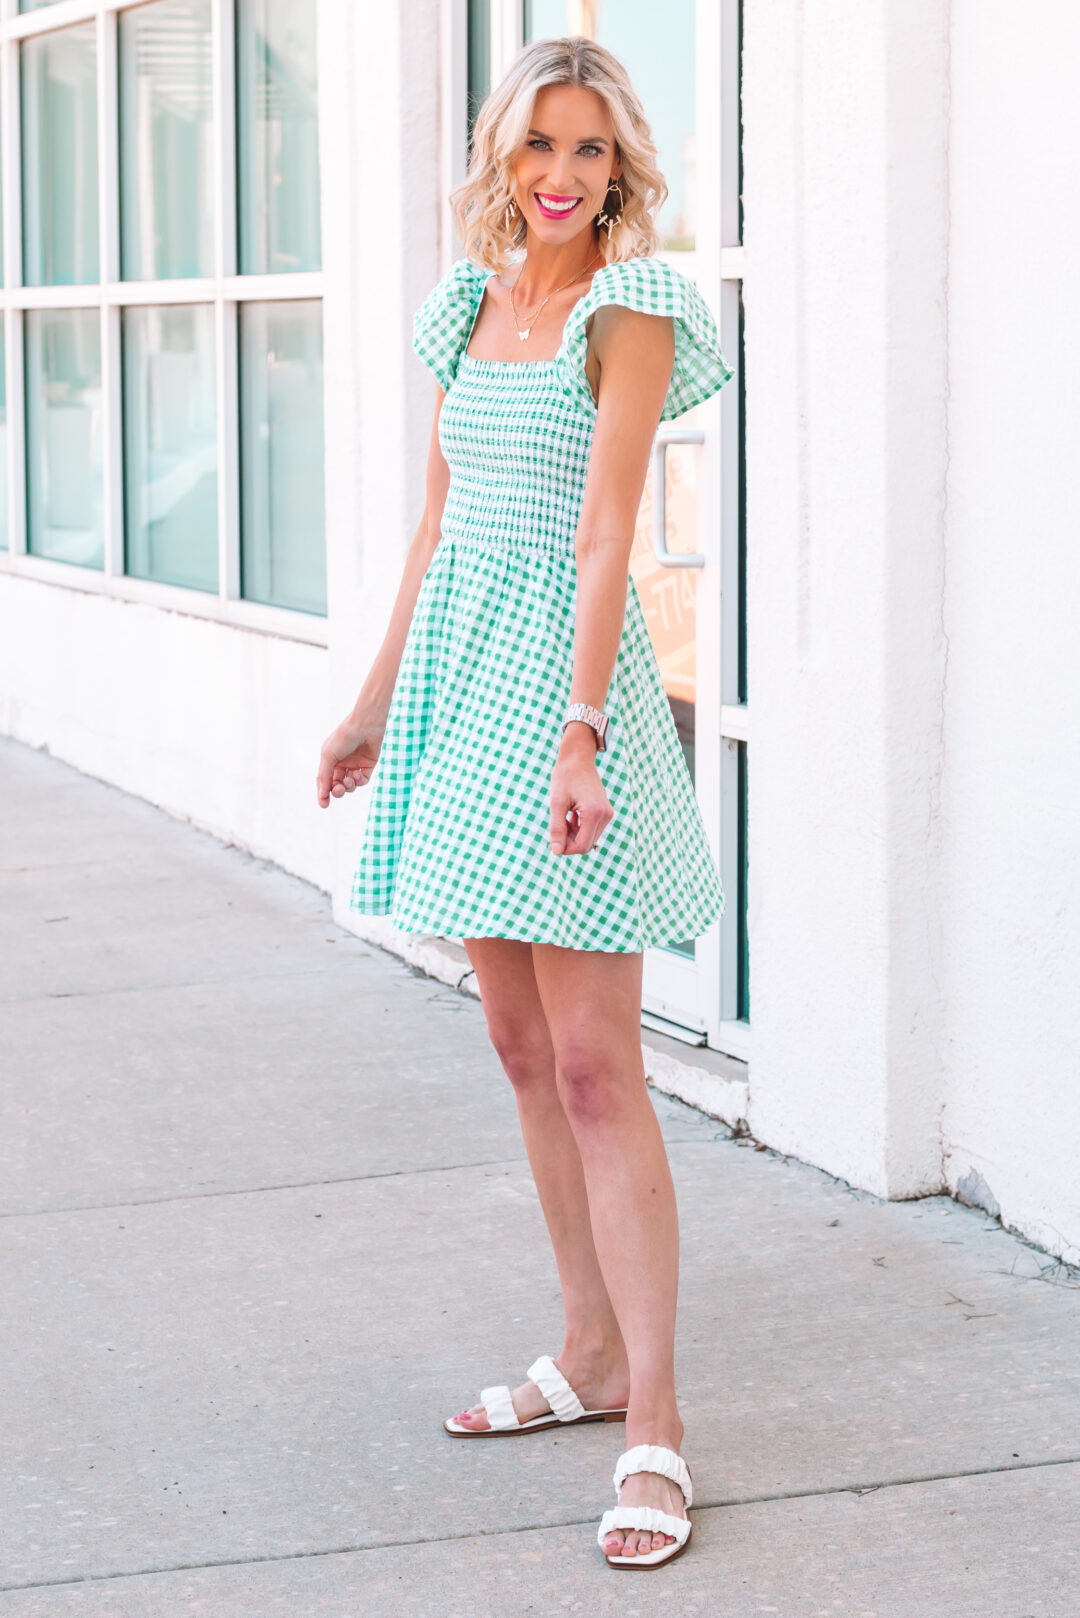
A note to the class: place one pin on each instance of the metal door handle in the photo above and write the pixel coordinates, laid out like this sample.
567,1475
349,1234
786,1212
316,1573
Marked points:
665,557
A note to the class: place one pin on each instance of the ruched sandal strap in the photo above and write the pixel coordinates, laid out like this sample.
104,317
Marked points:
654,1458
556,1389
499,1407
646,1518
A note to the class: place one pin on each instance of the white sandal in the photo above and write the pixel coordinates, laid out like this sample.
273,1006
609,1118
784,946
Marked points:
649,1458
566,1410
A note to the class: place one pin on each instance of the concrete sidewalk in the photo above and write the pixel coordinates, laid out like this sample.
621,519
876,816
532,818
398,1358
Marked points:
267,1220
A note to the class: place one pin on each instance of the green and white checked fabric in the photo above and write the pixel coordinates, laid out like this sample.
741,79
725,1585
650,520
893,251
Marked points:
456,840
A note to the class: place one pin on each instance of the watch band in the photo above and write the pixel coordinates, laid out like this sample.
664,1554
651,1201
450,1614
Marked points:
595,717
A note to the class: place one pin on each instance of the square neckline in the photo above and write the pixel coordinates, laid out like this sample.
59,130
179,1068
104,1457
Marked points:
528,365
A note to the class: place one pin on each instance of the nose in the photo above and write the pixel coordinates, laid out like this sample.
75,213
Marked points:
560,175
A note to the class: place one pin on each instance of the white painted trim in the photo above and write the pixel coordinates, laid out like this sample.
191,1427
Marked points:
273,288
676,985
108,135
191,289
729,1033
733,263
711,1093
454,89
112,390
228,451
734,1038
82,296
735,721
13,330
12,158
112,381
726,15
64,14
253,615
507,35
16,438
223,72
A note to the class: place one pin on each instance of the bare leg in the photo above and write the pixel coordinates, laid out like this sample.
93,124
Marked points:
593,1358
592,1005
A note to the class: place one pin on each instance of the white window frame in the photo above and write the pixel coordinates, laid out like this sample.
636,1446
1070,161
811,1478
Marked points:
225,290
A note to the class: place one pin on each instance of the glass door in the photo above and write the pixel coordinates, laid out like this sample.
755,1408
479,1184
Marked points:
688,556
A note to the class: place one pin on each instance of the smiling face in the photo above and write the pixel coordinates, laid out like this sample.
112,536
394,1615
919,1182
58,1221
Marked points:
565,164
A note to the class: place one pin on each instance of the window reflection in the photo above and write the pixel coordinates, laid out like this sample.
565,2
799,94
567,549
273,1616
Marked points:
166,131
170,445
277,136
63,436
281,434
59,158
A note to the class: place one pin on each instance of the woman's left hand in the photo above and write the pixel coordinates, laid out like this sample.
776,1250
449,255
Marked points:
579,805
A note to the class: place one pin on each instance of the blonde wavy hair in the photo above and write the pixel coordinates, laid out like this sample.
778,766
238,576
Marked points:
479,205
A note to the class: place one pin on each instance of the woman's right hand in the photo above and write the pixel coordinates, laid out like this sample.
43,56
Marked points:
348,757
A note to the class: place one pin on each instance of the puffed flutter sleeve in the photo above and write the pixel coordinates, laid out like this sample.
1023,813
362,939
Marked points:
652,287
443,322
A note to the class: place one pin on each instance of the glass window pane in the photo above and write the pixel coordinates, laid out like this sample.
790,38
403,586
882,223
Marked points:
283,544
660,61
277,136
59,158
34,5
166,141
170,445
63,436
479,54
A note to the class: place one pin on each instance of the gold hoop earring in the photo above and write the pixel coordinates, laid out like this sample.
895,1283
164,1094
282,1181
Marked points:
604,218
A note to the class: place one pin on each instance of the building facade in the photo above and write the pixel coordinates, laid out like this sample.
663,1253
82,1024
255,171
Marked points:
218,218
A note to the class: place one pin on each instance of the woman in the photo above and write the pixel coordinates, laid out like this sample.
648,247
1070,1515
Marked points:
532,797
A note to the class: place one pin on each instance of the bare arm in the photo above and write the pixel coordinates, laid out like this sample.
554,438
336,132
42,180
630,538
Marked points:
349,753
636,353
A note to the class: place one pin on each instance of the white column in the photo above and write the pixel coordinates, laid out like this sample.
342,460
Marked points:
379,101
846,208
1012,921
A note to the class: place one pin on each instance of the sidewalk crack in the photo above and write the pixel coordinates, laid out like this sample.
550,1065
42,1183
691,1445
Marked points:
858,1489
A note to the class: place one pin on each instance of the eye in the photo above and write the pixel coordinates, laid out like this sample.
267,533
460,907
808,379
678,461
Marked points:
588,150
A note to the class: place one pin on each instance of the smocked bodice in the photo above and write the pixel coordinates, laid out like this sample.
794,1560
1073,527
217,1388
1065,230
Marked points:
517,435
518,449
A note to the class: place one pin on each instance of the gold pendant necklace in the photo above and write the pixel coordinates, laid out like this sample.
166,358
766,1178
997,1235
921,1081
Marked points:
522,335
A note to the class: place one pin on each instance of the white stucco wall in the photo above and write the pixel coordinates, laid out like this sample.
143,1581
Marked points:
212,722
845,114
1011,887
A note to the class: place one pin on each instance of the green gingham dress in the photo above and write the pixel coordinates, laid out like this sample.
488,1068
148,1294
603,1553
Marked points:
456,838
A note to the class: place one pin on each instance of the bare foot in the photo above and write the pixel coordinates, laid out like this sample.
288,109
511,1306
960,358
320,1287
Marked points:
600,1384
645,1489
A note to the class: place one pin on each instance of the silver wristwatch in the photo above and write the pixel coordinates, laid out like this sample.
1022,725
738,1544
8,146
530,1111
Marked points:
592,716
